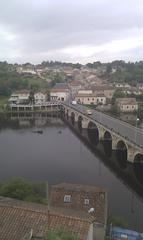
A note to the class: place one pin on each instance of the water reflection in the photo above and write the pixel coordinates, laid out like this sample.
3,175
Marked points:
58,155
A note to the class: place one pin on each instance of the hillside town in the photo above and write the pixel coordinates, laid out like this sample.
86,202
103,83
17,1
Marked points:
84,85
71,120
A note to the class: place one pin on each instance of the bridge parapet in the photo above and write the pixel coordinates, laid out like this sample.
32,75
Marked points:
132,148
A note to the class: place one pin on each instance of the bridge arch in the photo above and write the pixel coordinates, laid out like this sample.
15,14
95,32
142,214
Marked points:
93,133
73,118
67,113
107,143
138,167
122,153
80,119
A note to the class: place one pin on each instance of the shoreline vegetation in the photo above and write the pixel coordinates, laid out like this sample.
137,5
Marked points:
22,189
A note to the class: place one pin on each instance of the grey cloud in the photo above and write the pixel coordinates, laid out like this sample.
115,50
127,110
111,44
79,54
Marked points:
43,26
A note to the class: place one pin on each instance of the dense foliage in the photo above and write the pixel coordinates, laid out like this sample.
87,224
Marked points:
131,73
23,190
11,80
60,234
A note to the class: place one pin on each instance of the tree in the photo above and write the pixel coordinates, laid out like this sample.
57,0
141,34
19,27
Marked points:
60,234
117,94
23,190
31,97
16,188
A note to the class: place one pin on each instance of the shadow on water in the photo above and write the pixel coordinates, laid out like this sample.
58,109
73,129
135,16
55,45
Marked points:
129,174
116,161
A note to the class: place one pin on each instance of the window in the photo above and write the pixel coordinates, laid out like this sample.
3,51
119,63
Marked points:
67,198
86,201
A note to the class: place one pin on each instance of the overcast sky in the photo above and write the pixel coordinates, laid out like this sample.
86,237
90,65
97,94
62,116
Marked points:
71,30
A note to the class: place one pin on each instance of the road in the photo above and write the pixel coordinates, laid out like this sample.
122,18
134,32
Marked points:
124,129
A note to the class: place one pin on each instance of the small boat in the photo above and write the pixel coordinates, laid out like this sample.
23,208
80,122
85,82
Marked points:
38,131
59,131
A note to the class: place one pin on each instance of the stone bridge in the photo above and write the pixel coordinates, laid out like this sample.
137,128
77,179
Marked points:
97,132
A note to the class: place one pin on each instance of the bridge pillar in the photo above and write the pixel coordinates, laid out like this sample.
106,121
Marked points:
101,131
115,140
76,117
85,123
131,153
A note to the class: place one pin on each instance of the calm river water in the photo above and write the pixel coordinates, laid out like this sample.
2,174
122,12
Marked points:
57,156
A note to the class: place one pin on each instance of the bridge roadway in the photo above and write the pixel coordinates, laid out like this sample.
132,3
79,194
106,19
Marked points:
133,134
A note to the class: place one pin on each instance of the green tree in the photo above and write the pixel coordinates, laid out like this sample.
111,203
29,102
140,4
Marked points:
60,234
117,94
31,97
23,190
16,188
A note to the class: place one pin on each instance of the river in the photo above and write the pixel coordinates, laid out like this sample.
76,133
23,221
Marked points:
58,155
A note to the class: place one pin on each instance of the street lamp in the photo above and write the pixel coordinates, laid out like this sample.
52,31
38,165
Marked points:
136,129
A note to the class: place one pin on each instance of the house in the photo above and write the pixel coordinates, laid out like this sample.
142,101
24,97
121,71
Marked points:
108,91
75,86
101,99
85,91
60,92
88,199
127,104
60,95
40,97
21,96
140,86
26,221
122,85
86,99
29,70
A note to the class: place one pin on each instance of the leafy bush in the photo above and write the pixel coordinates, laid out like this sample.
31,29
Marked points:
23,190
60,234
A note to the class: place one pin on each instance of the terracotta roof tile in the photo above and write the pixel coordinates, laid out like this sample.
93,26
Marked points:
79,187
16,221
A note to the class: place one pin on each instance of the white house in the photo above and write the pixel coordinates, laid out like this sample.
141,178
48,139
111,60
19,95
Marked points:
127,104
60,95
101,99
85,91
19,97
40,97
86,99
60,92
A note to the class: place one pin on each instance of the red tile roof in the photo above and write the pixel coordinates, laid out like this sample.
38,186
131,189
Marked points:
78,187
59,90
16,221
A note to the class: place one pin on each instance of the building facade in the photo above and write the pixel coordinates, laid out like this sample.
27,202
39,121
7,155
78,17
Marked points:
40,97
127,104
19,97
59,95
60,92
87,99
88,199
